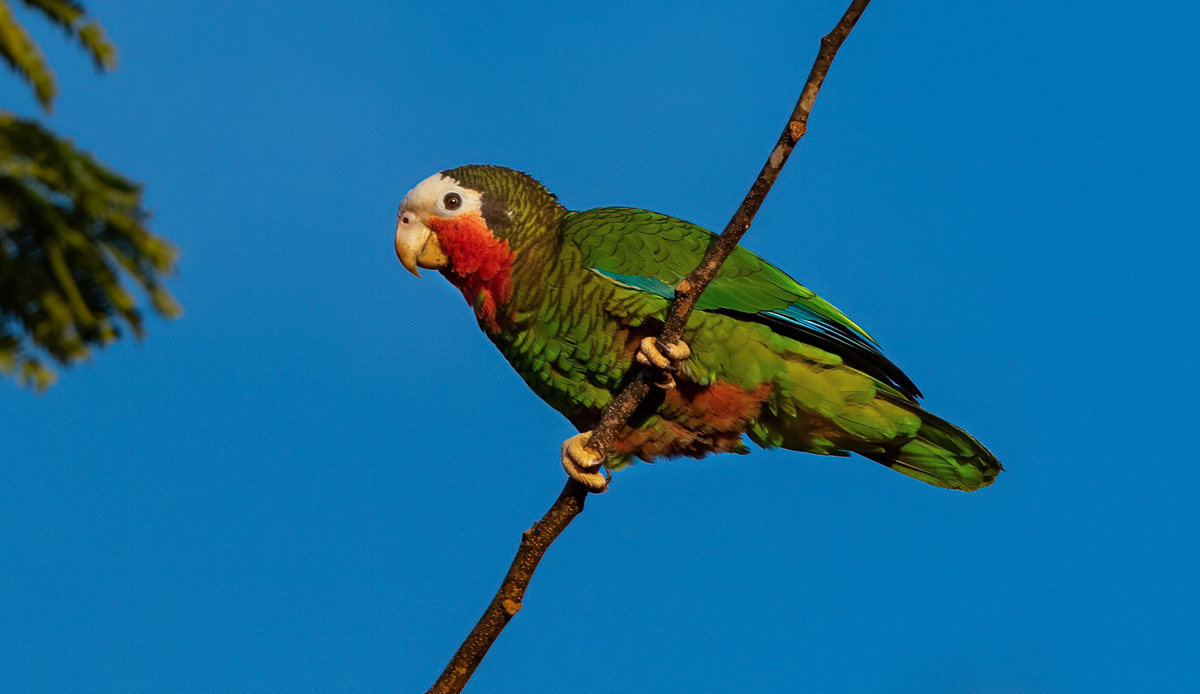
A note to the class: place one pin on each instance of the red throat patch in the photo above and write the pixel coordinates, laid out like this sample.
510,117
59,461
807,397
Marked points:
480,264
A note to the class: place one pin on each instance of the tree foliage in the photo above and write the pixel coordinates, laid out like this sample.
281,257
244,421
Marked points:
70,228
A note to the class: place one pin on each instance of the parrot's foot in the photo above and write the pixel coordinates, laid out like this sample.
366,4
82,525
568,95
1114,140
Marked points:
583,464
651,352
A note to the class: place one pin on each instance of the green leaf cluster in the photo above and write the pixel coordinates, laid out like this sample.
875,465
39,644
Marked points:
26,59
70,228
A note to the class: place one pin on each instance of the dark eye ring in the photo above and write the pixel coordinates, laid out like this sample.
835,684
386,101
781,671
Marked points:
452,201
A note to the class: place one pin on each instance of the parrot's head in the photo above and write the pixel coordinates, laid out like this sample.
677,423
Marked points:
472,223
452,217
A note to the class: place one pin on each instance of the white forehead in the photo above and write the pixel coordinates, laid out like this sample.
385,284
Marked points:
429,195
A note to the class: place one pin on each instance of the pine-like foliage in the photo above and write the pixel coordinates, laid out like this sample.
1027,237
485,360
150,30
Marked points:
69,226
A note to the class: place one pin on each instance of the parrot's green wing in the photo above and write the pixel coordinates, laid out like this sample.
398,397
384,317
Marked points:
816,405
650,252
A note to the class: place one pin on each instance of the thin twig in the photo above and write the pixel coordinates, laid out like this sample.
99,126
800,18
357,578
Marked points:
569,504
507,602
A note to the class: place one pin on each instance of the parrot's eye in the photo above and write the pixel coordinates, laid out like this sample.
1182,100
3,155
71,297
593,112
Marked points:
452,201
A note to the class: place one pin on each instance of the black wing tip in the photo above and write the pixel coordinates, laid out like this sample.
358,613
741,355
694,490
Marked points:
902,382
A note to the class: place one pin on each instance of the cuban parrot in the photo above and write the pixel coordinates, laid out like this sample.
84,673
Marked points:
572,299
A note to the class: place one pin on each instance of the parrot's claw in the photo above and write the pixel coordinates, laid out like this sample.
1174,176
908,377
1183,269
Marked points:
583,464
651,352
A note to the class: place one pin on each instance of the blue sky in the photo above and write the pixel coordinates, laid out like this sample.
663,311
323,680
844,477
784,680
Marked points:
314,480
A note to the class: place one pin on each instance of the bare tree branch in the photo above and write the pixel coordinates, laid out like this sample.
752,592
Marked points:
688,291
507,602
536,540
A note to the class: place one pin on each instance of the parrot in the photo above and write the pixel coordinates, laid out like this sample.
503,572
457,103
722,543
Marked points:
574,300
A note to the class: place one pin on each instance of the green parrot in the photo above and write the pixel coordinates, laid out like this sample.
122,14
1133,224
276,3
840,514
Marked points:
572,299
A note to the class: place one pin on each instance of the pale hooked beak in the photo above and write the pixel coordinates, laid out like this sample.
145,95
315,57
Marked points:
417,246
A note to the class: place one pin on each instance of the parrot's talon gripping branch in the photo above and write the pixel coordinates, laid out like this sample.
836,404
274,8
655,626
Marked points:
652,352
664,356
584,465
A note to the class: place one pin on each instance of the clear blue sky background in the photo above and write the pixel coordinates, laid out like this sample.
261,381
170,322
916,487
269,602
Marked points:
314,480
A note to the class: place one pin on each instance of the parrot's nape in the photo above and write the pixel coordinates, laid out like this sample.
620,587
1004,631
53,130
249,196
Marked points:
571,299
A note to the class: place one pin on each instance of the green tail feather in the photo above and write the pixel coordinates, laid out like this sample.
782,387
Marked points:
942,455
